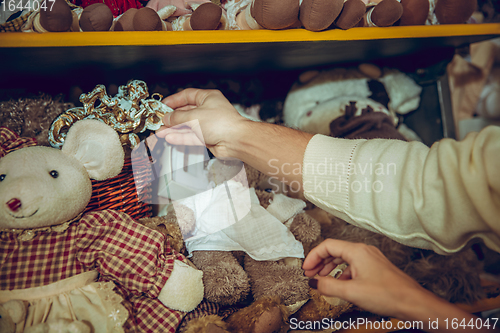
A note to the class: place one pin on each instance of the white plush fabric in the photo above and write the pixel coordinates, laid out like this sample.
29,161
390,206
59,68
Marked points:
403,92
45,199
97,146
313,104
190,295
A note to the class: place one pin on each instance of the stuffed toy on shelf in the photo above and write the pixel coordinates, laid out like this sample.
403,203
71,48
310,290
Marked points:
161,16
322,15
318,98
156,16
102,263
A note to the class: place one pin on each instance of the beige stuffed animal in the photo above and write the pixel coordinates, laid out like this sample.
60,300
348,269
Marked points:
89,268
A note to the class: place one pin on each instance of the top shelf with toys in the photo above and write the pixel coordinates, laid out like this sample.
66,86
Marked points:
445,35
226,50
174,36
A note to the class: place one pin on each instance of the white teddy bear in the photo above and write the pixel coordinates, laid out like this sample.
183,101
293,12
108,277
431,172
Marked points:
73,268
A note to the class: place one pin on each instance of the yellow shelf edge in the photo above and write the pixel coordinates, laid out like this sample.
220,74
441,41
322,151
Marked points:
152,38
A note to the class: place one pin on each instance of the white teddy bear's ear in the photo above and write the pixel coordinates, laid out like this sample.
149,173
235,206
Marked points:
97,146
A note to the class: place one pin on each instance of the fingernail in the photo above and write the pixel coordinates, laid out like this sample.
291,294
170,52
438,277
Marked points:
313,283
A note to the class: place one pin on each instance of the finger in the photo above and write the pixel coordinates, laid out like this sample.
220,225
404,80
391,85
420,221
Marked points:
327,264
329,286
189,96
346,275
186,108
313,271
183,139
328,248
176,117
327,269
338,261
161,132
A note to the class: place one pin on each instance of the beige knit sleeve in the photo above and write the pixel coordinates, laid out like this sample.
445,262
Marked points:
435,198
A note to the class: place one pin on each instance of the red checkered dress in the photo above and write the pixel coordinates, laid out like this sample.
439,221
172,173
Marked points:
10,141
121,250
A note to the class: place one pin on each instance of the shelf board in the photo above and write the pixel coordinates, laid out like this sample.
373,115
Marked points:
224,51
466,32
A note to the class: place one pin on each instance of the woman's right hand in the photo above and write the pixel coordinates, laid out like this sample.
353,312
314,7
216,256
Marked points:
202,117
371,281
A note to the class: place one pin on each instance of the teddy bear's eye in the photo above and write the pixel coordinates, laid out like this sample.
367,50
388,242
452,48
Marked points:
54,174
269,190
2,177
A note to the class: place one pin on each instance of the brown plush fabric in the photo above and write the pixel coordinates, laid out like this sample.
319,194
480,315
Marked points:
168,226
32,116
57,17
369,125
224,279
454,11
246,320
126,21
277,278
351,14
319,15
386,13
206,17
264,13
96,17
146,19
206,324
305,229
317,307
415,12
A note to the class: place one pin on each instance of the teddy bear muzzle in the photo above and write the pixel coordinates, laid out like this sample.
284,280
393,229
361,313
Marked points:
14,204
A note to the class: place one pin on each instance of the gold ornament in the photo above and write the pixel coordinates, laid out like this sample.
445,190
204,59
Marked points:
129,112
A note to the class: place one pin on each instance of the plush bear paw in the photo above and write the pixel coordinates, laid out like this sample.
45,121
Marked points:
207,16
317,15
184,288
279,279
415,12
386,13
56,17
274,15
454,11
305,228
265,315
205,324
352,13
224,279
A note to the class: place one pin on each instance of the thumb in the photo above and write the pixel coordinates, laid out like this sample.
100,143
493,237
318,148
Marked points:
329,286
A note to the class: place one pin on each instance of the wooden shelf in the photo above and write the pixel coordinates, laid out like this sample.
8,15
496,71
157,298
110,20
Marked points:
224,51
466,32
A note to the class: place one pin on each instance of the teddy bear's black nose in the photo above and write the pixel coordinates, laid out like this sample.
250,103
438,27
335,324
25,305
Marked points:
14,204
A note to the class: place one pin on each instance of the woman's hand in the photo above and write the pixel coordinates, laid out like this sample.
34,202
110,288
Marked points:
201,117
371,281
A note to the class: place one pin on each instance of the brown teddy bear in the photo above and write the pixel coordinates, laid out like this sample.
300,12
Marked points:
275,288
